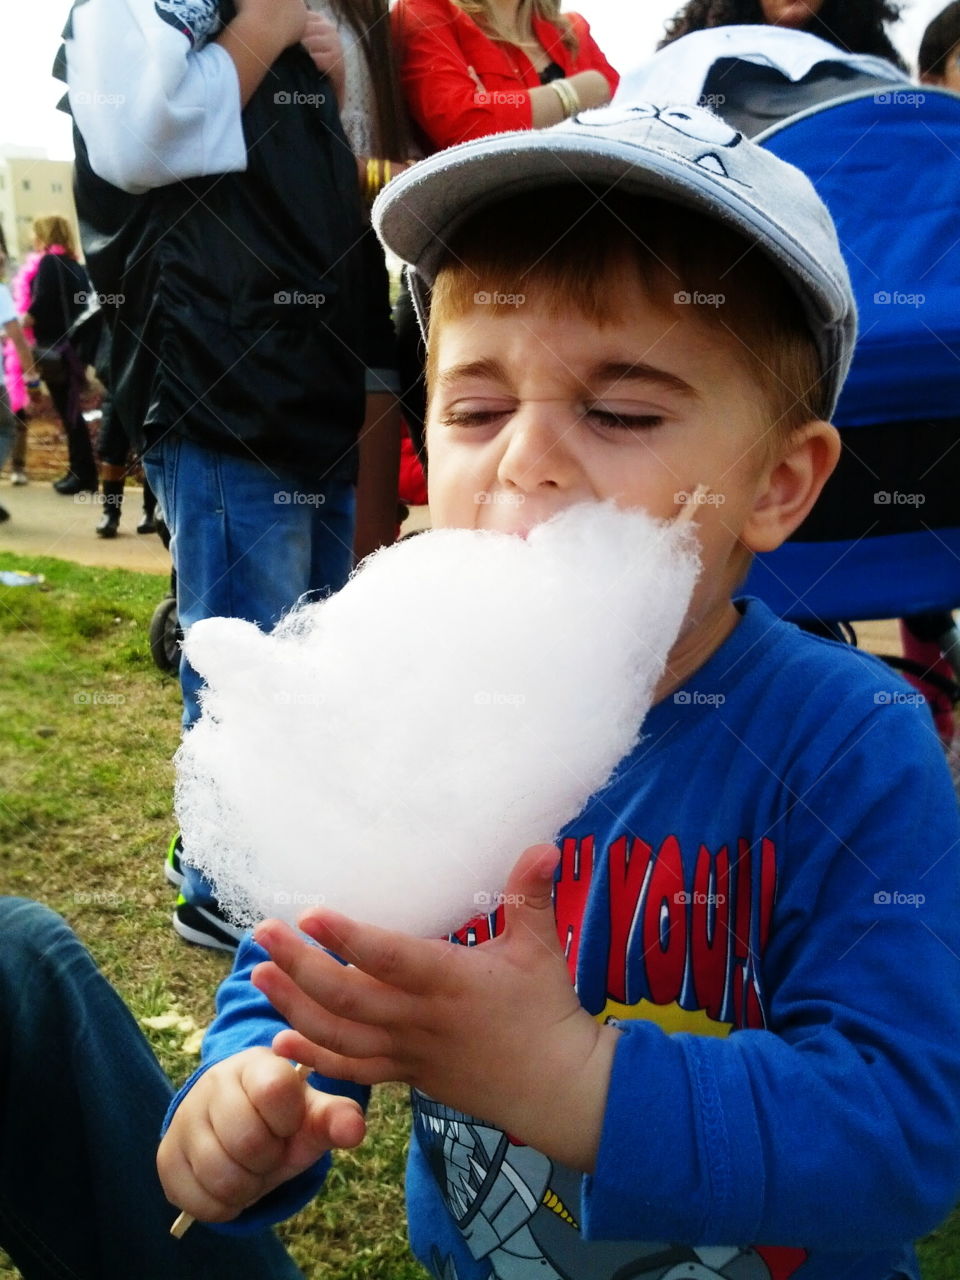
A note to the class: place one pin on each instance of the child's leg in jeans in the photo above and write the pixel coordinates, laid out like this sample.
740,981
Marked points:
82,1099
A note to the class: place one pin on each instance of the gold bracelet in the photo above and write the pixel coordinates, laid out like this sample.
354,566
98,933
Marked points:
569,98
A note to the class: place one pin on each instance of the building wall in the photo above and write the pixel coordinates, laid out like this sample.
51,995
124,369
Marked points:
30,187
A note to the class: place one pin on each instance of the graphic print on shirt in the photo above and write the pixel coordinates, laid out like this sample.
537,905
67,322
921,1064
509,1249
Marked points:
195,19
641,941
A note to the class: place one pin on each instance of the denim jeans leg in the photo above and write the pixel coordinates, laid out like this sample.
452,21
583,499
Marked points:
82,1099
247,542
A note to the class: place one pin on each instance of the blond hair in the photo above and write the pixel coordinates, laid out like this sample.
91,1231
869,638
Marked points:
527,10
51,229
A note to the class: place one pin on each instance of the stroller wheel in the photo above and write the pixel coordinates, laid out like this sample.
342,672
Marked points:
165,636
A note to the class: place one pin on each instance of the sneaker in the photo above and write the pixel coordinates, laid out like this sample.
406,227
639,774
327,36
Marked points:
205,926
172,865
18,477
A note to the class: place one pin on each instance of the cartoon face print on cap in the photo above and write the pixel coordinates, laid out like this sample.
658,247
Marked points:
678,129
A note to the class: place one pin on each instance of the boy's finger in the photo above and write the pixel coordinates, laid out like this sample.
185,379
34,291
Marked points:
240,1130
332,1121
343,990
278,1097
394,958
303,1012
365,1071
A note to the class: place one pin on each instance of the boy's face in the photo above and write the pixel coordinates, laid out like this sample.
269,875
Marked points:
531,412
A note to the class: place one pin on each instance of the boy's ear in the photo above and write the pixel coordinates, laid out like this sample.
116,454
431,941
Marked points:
790,485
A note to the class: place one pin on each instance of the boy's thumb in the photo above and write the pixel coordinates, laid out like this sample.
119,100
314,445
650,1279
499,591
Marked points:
528,899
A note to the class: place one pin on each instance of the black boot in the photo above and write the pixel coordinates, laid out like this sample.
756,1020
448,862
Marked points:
148,524
112,504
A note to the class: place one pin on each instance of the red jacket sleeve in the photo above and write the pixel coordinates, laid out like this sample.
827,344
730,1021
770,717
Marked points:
438,46
443,54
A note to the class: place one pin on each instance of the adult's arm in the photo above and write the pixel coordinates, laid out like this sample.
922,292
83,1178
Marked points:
158,96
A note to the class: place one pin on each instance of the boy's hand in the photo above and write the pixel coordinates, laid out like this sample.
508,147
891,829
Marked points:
249,1124
321,39
494,1030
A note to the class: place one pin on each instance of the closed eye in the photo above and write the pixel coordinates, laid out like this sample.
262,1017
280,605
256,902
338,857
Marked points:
624,421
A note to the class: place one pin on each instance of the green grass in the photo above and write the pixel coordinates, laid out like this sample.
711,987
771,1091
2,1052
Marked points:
86,736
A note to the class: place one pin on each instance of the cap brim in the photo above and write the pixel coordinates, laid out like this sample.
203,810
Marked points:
417,215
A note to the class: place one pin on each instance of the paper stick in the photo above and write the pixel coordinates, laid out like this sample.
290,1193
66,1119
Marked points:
186,1220
689,509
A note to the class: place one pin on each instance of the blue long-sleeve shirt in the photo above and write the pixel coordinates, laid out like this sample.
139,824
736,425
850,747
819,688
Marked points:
766,901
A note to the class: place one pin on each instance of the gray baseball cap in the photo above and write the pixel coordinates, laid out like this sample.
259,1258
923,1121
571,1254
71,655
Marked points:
686,155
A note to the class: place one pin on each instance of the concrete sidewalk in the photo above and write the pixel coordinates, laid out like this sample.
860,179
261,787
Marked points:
45,523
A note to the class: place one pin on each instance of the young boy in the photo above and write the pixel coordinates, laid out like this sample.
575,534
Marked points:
631,306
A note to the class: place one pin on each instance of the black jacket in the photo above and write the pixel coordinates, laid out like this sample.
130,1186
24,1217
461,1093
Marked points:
212,288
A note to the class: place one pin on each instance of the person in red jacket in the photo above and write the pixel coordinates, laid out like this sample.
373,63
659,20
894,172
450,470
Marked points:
474,67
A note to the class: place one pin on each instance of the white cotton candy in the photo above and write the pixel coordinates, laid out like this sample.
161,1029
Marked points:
390,751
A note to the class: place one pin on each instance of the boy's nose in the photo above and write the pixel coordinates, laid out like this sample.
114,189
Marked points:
538,449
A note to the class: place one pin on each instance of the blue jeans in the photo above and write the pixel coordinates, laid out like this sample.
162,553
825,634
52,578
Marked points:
82,1099
247,541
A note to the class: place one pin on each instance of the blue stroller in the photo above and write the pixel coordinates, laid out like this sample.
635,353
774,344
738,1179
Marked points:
884,538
